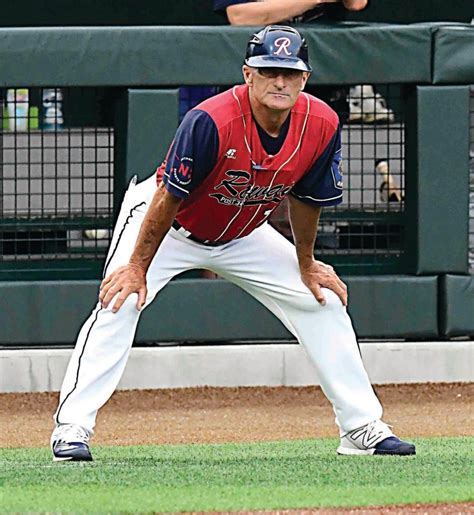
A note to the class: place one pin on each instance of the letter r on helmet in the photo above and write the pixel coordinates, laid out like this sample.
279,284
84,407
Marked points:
282,45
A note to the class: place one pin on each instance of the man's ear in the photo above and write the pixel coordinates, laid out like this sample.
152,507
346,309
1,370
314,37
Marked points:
247,73
304,80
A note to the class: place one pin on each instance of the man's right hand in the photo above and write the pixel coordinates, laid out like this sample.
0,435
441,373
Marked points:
125,280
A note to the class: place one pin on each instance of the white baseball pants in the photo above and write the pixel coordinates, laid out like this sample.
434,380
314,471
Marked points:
265,265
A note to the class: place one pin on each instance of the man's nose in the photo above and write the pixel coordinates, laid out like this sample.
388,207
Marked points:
280,81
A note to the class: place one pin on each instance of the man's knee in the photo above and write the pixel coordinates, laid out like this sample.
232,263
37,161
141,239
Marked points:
332,300
129,306
309,303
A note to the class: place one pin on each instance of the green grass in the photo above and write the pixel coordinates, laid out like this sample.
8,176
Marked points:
272,475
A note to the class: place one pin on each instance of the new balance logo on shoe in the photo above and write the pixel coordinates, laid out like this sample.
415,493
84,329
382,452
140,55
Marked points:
366,438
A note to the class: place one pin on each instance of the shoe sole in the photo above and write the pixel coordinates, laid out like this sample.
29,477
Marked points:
55,458
393,453
70,458
346,451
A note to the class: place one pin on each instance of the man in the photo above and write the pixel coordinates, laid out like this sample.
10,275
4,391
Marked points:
234,158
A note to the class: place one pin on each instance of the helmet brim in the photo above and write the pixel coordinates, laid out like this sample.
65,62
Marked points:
291,63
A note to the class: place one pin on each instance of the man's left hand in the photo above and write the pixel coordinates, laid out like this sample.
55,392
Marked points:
319,275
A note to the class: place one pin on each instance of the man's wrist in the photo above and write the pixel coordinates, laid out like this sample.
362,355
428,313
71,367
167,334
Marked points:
138,267
305,262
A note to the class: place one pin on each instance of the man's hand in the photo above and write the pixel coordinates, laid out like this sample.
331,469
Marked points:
318,275
125,280
355,5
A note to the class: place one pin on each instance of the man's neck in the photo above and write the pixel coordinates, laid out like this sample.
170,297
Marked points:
270,121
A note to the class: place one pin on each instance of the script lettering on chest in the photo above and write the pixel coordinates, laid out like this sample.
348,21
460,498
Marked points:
236,189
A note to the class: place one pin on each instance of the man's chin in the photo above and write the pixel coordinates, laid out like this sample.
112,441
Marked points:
280,104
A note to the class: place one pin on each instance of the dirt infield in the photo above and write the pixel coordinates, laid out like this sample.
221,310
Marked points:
206,415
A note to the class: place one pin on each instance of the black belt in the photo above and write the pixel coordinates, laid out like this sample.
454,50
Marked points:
191,237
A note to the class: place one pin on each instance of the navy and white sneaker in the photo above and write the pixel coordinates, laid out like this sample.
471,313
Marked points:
70,442
374,438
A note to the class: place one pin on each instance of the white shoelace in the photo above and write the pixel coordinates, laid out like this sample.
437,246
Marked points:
373,430
377,428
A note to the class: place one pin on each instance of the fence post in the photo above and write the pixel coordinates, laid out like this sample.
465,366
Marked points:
437,179
145,125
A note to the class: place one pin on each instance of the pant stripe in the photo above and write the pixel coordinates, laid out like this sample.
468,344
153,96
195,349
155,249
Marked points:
78,365
129,217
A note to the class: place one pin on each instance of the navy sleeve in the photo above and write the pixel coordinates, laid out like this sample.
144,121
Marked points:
192,155
322,184
221,5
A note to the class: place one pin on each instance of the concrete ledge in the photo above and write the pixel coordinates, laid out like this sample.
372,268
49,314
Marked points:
28,370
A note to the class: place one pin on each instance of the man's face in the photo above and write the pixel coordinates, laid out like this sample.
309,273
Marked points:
275,88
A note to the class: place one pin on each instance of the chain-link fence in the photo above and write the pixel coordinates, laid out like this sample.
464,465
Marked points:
56,177
56,196
365,231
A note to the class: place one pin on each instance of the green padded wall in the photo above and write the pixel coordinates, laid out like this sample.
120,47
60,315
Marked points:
146,122
373,54
456,305
454,55
41,313
394,306
438,179
170,56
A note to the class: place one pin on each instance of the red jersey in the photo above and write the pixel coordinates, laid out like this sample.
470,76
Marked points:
230,184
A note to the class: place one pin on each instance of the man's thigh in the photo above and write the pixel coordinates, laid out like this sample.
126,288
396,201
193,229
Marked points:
263,261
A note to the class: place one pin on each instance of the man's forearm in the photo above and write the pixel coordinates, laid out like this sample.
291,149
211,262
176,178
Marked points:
269,11
157,222
315,275
304,220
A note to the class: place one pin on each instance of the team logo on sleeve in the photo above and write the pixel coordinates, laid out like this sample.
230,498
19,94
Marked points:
182,172
336,169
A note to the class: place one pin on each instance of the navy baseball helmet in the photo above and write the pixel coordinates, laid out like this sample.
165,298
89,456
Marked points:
278,46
